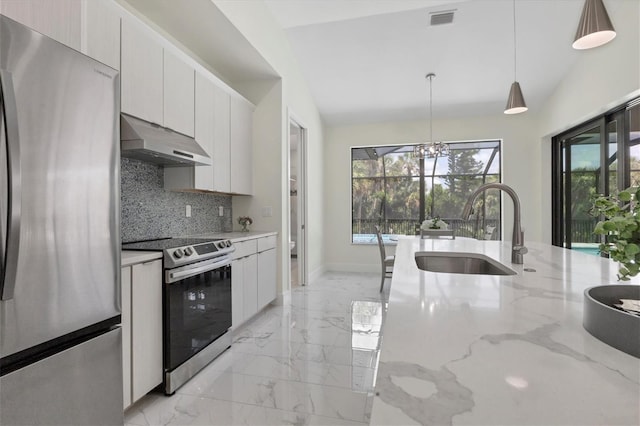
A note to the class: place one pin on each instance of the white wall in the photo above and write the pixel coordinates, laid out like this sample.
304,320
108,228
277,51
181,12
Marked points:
601,79
520,145
255,21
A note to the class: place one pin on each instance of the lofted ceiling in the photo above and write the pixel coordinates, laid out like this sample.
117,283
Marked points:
366,60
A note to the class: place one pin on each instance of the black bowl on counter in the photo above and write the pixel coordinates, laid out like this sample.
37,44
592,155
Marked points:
609,324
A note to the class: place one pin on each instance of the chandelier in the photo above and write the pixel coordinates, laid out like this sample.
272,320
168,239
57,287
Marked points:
431,149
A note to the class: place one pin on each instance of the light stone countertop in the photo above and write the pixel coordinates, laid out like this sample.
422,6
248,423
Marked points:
236,236
131,257
488,350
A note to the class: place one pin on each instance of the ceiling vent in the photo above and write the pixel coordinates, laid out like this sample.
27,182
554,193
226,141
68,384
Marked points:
441,18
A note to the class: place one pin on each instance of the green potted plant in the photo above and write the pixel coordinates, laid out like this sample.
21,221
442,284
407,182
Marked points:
621,226
434,223
435,228
610,312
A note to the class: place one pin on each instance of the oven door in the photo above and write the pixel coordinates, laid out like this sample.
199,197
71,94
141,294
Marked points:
197,308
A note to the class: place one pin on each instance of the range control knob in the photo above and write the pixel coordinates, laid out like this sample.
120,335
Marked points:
228,243
220,244
188,251
177,253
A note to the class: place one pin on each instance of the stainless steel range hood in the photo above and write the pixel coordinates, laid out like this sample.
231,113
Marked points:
149,142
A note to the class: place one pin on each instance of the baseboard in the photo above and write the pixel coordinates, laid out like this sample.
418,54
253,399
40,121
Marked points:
283,298
317,273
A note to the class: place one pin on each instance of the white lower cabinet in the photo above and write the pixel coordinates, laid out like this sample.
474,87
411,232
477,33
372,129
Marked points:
250,286
141,329
237,288
266,277
244,282
126,335
253,276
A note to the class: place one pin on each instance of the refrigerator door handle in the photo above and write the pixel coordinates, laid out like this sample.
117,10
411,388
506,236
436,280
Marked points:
11,234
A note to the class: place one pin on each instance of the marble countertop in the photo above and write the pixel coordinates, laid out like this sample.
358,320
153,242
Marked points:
131,257
236,236
510,350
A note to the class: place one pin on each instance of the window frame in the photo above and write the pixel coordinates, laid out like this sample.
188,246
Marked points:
490,164
561,227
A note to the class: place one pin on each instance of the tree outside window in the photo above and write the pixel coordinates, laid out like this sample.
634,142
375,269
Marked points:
386,188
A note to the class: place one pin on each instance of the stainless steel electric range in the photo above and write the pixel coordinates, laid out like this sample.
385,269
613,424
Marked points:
196,303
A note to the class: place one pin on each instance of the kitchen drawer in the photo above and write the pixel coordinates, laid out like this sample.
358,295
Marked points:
267,243
245,248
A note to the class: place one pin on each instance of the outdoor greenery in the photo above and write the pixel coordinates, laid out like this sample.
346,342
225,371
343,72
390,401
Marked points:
601,156
386,187
584,184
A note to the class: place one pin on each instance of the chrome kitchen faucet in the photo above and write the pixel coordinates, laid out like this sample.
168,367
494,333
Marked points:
517,240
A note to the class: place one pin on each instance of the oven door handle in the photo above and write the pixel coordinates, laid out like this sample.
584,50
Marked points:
180,274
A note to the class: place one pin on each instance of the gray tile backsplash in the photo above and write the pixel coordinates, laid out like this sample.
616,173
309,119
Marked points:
149,211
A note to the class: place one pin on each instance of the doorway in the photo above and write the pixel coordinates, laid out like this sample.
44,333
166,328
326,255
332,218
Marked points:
601,156
297,203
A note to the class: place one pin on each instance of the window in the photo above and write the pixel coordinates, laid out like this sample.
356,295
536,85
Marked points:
601,156
393,189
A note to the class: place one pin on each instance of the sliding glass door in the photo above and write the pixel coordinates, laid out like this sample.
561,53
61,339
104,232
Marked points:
601,156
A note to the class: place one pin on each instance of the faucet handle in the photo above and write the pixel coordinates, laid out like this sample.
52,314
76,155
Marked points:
520,249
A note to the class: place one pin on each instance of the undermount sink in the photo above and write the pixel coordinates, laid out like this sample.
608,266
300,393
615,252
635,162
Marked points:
460,263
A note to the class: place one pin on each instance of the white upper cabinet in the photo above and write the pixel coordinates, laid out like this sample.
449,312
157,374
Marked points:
221,143
141,73
204,130
101,32
157,86
214,118
90,26
212,133
241,131
179,95
59,19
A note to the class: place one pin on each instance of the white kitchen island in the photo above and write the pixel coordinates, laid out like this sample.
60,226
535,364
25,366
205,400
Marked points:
500,350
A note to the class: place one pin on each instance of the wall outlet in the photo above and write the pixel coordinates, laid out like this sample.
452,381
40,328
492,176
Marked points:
221,211
187,211
267,211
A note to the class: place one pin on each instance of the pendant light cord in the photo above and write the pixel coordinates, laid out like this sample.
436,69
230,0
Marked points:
514,42
430,77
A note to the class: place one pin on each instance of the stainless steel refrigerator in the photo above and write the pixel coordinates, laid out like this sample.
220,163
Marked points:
60,341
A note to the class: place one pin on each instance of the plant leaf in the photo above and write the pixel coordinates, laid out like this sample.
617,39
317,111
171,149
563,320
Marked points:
631,250
624,195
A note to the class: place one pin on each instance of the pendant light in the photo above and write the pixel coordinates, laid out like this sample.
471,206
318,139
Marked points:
431,149
594,28
515,102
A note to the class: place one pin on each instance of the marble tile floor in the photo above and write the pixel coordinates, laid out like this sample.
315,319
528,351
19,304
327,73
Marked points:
308,362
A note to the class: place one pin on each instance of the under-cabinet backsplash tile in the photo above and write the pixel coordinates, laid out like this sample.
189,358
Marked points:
149,211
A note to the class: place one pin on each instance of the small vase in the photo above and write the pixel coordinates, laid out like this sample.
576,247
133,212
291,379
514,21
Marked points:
245,227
